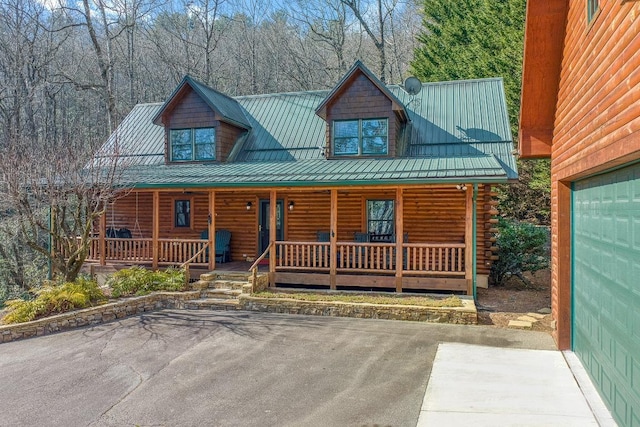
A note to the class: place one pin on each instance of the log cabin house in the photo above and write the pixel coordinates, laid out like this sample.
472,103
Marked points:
364,185
580,94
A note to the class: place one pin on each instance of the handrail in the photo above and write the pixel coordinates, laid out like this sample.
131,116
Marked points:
185,265
261,257
254,267
197,254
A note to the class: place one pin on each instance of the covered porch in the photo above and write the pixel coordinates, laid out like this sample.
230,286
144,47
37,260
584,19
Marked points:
424,239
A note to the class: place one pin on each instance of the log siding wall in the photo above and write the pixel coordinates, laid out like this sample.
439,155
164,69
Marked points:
434,214
597,122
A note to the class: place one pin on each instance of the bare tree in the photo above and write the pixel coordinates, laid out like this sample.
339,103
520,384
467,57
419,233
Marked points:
328,23
380,12
56,191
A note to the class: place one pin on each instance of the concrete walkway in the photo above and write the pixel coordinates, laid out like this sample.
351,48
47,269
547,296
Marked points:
490,386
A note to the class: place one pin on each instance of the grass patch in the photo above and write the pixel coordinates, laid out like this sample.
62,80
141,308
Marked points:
451,301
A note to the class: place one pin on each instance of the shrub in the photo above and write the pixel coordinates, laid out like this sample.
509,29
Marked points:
521,247
52,299
140,281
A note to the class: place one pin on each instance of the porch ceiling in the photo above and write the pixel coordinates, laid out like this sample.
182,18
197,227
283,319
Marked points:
480,168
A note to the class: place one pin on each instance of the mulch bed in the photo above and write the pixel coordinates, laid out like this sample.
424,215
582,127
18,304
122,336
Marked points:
499,304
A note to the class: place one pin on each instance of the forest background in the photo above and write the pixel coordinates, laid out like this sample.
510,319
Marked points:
70,71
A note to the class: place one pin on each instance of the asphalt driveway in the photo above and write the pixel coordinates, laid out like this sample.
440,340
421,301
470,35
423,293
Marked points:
179,367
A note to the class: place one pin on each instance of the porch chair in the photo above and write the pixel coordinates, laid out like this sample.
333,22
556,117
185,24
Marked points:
223,245
358,237
322,236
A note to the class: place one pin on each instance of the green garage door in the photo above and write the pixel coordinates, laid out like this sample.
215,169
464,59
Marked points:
606,287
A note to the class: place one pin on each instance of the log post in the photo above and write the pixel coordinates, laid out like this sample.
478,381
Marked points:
156,228
273,207
333,237
468,239
103,234
399,237
212,230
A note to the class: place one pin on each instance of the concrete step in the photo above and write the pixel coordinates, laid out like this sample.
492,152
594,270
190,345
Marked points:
221,293
212,304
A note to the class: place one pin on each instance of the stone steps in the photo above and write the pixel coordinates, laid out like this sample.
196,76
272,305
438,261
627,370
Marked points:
229,284
212,304
220,291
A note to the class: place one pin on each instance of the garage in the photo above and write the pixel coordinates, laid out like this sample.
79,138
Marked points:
606,286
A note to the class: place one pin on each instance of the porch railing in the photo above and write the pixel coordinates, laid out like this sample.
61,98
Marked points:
302,255
418,258
366,257
170,251
434,258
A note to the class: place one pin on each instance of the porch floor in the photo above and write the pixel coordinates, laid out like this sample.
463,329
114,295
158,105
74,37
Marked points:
233,266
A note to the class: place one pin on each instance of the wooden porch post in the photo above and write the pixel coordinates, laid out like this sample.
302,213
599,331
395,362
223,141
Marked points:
156,228
273,206
333,237
103,234
399,237
468,240
212,230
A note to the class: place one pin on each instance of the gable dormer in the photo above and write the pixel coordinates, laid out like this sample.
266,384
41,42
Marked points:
200,123
363,117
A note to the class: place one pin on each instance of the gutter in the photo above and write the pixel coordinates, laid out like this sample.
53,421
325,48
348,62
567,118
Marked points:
328,184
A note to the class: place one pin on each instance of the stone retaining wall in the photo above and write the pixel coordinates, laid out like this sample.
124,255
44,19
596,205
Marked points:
465,315
96,315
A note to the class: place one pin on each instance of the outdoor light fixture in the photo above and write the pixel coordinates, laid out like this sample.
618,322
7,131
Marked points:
461,187
249,204
291,204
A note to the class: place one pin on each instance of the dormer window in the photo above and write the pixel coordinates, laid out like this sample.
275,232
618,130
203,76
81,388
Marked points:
192,144
362,137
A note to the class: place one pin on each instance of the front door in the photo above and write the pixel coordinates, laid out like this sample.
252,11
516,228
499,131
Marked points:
264,223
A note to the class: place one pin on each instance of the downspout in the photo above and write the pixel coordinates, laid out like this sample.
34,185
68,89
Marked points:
475,240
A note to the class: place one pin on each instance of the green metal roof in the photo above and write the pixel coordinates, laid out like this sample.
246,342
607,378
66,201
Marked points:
283,127
137,139
226,106
457,130
319,172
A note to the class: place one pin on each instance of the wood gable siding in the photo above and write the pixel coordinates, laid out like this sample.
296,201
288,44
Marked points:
597,122
544,33
361,99
191,111
434,214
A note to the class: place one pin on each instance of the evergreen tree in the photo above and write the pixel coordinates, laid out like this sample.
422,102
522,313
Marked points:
469,39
